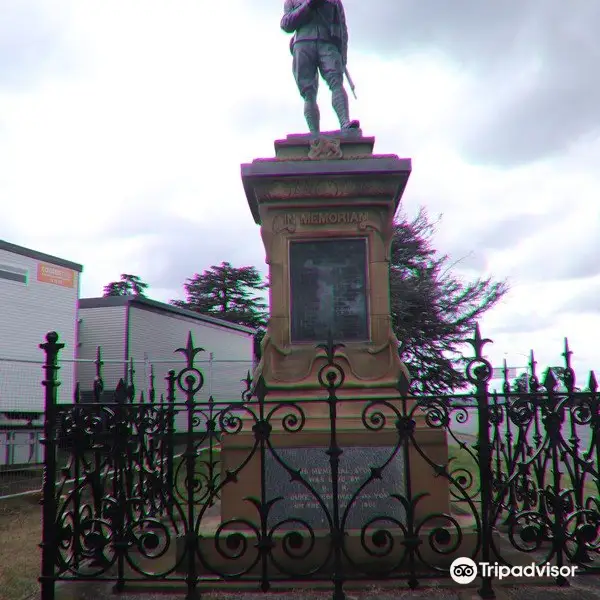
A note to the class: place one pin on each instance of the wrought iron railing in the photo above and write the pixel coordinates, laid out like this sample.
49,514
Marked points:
339,489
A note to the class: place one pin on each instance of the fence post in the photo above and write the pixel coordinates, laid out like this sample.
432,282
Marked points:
211,358
331,378
95,476
479,372
49,544
170,445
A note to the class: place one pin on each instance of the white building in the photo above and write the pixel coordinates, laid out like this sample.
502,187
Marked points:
149,332
38,294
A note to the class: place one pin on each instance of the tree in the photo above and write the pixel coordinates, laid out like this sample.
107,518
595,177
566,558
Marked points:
229,293
129,285
520,384
562,377
433,311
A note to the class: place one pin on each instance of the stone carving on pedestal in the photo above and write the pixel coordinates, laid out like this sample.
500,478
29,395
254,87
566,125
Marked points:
325,149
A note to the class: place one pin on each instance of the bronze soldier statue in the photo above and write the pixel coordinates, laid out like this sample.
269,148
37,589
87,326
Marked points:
319,44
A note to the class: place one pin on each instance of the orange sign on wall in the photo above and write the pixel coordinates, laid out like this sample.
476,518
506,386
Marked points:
47,273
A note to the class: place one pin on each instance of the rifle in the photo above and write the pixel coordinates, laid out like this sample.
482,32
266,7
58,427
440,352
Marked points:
350,82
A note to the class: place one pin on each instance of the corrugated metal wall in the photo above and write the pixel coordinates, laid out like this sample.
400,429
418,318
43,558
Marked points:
153,337
104,327
28,311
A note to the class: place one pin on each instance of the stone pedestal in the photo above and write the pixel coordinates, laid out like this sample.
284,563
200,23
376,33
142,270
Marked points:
339,202
295,450
326,212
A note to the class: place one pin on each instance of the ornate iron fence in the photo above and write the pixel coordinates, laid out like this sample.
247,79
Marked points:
276,490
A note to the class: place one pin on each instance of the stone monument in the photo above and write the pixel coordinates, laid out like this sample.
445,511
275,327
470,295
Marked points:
327,224
325,204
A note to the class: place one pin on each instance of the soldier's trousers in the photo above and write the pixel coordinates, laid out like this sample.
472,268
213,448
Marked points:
312,58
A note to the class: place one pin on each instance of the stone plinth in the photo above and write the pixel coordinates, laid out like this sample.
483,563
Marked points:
350,199
439,536
326,211
237,448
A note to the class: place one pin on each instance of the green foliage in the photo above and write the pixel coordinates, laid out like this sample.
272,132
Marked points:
229,293
258,338
433,311
563,378
128,285
520,384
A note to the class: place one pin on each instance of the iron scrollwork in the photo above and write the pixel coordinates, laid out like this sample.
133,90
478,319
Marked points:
139,488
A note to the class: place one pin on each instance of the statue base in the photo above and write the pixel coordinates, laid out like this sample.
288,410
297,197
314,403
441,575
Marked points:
377,530
349,132
342,199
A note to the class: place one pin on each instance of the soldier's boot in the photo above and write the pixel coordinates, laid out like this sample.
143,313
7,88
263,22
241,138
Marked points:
339,100
312,116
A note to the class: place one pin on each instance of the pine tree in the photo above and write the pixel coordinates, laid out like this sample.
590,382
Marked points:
229,293
128,285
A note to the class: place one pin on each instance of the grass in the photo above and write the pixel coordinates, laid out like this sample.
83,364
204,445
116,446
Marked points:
463,462
201,469
20,536
20,532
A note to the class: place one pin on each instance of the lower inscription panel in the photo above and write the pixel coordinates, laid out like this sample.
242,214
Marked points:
298,502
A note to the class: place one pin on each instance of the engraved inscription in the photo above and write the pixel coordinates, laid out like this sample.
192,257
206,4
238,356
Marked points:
298,502
328,284
327,188
325,218
289,219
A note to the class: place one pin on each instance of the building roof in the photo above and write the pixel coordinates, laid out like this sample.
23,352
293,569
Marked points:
59,262
160,307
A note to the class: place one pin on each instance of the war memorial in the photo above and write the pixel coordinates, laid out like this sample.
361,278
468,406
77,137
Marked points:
330,471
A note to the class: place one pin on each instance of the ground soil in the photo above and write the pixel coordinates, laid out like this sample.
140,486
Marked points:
20,536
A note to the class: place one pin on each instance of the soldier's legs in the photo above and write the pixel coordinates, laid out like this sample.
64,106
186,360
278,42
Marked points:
332,70
305,64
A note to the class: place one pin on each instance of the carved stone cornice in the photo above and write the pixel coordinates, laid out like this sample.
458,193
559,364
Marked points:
283,180
325,187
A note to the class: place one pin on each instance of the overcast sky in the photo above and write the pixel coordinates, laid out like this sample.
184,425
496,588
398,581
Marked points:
123,125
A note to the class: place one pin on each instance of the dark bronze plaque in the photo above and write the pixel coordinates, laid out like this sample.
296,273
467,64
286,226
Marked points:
328,281
297,501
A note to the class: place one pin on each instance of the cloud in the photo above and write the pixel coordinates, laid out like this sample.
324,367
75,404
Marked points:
257,114
526,87
586,299
547,344
523,323
191,247
530,93
32,44
456,29
123,127
507,232
565,251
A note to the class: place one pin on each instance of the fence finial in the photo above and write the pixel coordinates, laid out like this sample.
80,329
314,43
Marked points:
189,351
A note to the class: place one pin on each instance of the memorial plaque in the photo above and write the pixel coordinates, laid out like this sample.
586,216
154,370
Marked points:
355,468
328,284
